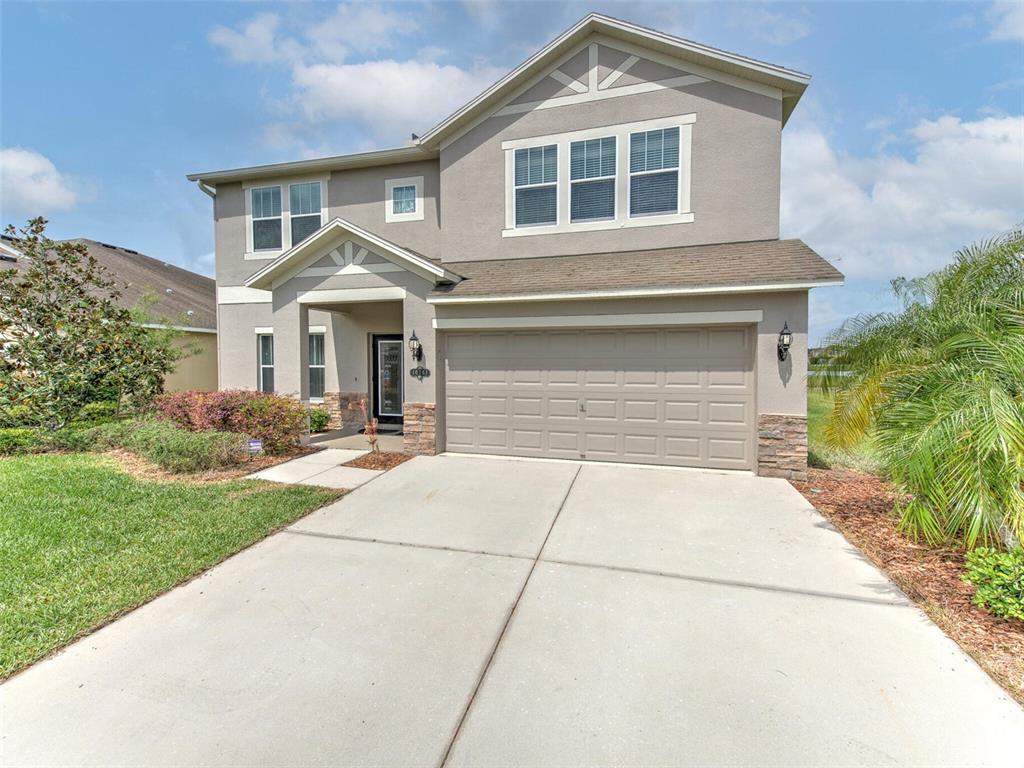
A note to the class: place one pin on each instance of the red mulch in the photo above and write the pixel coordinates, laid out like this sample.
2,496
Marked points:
860,505
384,460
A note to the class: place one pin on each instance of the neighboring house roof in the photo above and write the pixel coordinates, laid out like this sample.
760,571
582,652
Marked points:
789,82
290,260
180,298
763,265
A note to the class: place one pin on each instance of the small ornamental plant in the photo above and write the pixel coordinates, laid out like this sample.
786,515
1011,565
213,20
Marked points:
998,578
369,427
319,418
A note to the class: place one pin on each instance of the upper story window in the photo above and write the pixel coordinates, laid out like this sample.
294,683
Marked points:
592,173
403,199
266,218
536,181
633,174
305,210
654,172
282,215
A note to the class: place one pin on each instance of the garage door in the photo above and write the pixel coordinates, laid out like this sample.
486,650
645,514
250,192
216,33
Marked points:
682,396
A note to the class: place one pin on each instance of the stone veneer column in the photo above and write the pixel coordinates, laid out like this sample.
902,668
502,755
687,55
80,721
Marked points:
419,428
344,408
782,446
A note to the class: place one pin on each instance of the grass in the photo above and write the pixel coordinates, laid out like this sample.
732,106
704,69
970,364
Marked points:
862,456
82,541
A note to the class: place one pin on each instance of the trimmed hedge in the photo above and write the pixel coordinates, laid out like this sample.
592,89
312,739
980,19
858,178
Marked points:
998,578
279,422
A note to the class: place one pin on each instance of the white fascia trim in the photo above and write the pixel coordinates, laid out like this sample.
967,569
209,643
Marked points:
731,317
268,330
390,217
240,294
416,264
351,295
631,293
185,328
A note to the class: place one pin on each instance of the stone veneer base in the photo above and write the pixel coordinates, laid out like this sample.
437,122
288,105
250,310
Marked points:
782,446
344,408
419,426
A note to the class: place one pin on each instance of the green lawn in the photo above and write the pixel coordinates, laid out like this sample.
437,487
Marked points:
81,541
861,456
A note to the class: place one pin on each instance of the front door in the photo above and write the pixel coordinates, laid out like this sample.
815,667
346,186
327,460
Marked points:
387,378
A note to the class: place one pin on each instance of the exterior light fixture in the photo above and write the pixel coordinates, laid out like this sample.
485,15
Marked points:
415,348
785,340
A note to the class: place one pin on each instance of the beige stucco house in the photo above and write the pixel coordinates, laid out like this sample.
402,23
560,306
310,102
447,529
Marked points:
583,262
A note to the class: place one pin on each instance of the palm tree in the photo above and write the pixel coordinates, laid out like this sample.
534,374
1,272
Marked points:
940,386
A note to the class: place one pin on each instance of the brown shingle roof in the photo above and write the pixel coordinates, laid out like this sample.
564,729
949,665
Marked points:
176,291
726,265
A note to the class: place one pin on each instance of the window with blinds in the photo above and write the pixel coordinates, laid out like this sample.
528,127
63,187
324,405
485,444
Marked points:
305,210
592,179
317,366
266,218
536,186
265,350
654,172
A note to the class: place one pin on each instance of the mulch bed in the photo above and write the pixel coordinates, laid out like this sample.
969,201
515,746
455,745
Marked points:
384,460
147,470
860,505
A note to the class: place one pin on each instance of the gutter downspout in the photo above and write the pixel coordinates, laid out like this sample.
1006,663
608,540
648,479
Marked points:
205,189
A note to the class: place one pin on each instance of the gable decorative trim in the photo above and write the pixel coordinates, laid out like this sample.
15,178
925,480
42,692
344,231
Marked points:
348,259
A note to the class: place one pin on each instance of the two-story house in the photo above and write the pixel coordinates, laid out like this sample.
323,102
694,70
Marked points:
583,262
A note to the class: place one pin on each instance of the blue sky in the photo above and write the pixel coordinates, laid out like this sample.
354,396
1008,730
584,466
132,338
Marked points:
908,144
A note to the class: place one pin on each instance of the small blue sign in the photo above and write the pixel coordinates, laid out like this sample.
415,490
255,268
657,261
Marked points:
255,446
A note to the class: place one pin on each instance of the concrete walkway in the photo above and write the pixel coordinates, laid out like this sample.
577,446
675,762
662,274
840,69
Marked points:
482,612
323,468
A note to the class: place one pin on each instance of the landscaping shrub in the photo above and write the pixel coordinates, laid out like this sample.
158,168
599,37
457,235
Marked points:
100,411
278,421
20,440
173,448
319,418
998,578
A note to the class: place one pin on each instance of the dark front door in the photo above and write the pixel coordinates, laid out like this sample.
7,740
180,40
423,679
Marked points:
387,378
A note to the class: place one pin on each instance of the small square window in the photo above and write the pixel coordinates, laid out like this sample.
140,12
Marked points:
403,199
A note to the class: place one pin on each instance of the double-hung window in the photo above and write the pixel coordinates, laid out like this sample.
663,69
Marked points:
592,177
266,218
654,172
304,210
536,186
403,199
317,366
265,349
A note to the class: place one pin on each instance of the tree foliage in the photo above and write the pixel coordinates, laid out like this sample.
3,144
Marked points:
66,339
940,385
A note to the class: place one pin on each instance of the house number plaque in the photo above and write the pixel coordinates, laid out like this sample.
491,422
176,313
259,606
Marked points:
420,372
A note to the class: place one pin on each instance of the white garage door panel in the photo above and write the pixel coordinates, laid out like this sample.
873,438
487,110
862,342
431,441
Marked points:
663,396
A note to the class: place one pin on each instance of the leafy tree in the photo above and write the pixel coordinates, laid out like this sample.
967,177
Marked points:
940,385
66,340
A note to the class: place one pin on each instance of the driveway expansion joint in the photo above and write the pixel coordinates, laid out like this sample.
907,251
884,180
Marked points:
505,626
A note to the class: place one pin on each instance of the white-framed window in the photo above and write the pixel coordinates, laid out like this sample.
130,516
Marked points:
592,179
317,367
282,213
403,199
654,172
536,186
265,353
304,210
265,206
634,174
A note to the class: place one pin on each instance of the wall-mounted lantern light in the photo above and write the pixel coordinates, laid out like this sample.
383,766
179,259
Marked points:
785,340
415,348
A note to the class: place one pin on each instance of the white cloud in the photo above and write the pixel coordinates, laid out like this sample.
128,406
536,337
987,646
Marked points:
886,215
359,28
31,185
419,93
771,26
256,41
1007,21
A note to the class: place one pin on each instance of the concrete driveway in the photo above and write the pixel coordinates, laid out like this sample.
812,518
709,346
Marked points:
485,612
